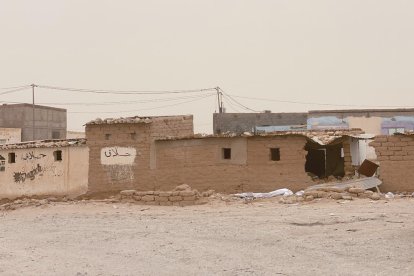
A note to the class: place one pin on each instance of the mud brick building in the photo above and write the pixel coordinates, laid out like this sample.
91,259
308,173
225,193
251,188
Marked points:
159,153
44,168
396,158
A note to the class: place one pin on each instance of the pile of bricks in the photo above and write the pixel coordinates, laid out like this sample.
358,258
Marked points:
394,148
182,195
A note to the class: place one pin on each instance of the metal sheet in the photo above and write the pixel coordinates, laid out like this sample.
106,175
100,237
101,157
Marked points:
364,183
368,168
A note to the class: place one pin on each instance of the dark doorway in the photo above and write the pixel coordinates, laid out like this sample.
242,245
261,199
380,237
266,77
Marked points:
315,162
324,161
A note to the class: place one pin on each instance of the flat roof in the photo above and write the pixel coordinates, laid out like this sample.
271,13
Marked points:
30,105
391,110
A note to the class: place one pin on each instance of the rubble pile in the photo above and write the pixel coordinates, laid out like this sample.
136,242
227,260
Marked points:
28,202
122,120
46,144
336,193
182,195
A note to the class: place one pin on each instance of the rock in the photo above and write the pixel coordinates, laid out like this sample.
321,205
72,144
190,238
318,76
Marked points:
163,194
368,192
356,190
183,187
336,196
309,198
128,192
19,201
148,198
375,196
52,199
187,193
43,201
322,194
311,193
347,197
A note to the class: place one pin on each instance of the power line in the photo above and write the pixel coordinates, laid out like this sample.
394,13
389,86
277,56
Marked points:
124,92
14,87
314,103
15,90
152,108
237,102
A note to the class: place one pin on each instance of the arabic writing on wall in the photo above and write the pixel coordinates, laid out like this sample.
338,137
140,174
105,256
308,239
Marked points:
32,156
118,156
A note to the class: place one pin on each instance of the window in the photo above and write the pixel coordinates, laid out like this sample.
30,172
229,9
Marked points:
12,157
275,154
226,153
55,135
107,136
58,155
133,136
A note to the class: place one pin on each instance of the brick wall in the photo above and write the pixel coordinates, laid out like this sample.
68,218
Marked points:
396,157
136,138
200,164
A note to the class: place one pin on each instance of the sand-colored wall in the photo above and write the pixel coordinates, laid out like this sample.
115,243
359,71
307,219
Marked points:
396,157
199,163
121,155
36,172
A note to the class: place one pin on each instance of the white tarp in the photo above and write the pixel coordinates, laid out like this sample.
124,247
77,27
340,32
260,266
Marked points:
280,192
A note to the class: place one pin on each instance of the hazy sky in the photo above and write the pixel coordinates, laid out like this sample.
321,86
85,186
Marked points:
349,52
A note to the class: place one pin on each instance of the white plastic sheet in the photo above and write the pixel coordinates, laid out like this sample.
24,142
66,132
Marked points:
280,192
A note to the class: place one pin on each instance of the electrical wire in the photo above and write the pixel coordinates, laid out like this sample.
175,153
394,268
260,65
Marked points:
237,102
143,109
313,103
121,102
124,92
15,90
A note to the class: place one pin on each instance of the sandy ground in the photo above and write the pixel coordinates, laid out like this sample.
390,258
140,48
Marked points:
361,237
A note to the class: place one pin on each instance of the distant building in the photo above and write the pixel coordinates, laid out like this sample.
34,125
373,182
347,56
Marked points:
250,122
49,122
10,135
372,121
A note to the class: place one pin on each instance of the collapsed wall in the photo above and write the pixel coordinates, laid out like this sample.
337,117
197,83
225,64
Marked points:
396,157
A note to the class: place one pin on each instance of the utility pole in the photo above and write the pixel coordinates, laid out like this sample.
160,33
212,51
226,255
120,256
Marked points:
33,107
219,99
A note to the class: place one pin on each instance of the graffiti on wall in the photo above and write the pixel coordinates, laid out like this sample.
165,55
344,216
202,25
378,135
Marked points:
31,156
118,156
21,176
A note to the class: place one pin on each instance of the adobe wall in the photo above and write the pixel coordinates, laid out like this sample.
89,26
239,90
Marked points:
396,157
37,173
121,154
200,164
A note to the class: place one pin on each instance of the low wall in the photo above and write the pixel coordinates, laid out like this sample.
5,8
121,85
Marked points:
396,157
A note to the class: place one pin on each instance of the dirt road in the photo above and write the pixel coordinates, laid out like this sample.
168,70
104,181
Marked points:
361,237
